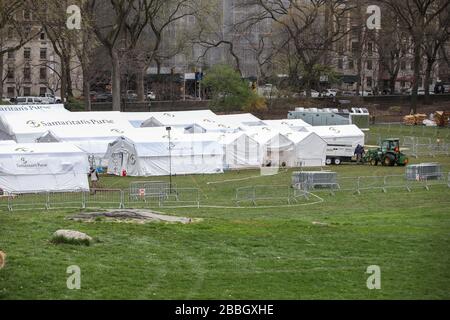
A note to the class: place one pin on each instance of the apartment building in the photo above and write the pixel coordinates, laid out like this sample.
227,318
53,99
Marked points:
34,68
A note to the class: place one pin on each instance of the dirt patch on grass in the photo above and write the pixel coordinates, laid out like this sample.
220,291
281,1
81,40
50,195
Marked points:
131,215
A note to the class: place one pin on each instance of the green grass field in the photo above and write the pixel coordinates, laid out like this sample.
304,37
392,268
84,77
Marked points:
243,253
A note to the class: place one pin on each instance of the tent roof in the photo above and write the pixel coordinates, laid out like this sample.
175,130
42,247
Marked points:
336,131
263,134
238,119
290,123
37,148
24,108
179,118
40,122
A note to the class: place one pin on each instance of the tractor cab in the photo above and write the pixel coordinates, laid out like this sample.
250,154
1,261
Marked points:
390,145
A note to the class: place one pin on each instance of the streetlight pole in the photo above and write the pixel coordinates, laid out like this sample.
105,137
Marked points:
170,161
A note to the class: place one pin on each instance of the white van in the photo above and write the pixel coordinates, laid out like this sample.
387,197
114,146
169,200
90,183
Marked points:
28,100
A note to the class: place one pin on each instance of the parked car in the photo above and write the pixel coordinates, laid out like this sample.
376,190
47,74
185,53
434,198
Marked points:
131,95
329,93
420,91
102,97
363,93
28,100
47,98
314,93
151,95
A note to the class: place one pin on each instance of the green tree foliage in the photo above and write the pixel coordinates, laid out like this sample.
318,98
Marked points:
230,92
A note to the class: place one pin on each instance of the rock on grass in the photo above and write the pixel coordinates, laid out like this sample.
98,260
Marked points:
71,237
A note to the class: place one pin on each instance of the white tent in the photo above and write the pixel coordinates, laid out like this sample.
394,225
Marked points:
179,119
27,128
26,108
294,124
137,118
240,150
93,141
284,147
43,167
342,135
146,152
276,149
241,120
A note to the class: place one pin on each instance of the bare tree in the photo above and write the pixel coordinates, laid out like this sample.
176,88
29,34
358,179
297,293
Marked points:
312,27
417,15
14,32
108,22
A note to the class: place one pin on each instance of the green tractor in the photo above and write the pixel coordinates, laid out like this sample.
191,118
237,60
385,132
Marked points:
388,154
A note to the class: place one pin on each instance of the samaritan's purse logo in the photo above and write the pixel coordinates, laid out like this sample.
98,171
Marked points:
33,123
23,149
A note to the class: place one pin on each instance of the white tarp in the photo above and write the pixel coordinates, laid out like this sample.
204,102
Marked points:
33,167
24,108
137,118
26,128
146,152
241,119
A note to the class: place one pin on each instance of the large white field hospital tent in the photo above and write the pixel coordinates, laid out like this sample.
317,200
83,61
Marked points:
240,150
179,119
339,136
26,128
93,141
16,108
43,167
146,152
288,148
294,124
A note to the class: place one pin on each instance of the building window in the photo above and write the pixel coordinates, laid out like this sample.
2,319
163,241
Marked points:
355,47
10,72
340,63
403,65
370,48
27,53
10,92
11,54
43,73
43,54
26,91
369,81
351,64
369,65
26,14
42,90
27,73
402,83
10,34
42,36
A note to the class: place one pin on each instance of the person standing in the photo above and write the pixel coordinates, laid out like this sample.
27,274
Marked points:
93,174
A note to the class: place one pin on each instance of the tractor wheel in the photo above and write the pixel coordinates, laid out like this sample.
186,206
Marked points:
328,161
374,162
337,161
388,161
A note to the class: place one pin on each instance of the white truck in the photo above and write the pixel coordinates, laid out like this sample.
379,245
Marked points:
341,141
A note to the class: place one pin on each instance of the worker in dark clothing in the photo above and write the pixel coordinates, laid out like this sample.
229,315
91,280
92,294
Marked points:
359,152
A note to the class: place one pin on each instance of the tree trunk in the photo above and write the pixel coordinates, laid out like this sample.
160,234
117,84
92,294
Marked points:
427,81
1,75
392,83
140,85
86,90
415,86
115,79
63,80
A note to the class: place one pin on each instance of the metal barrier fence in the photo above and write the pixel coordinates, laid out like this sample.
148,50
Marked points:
190,197
418,130
98,198
252,194
414,145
